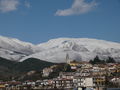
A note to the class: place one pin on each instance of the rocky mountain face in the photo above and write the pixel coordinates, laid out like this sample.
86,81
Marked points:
55,50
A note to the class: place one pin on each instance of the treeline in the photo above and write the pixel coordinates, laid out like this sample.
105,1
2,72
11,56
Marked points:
97,60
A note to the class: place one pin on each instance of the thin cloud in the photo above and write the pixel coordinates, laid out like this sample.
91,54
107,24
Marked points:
78,7
12,5
8,5
27,4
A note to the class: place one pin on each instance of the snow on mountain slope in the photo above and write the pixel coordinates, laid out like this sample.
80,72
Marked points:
55,50
14,49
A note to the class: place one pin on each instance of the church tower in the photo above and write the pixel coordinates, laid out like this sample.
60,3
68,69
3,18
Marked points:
67,59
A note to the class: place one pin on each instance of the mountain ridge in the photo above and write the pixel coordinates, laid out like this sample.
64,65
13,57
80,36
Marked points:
55,50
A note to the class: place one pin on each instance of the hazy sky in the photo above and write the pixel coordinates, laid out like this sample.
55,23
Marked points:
37,21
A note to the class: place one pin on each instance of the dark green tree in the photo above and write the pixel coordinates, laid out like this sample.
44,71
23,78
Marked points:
97,60
110,60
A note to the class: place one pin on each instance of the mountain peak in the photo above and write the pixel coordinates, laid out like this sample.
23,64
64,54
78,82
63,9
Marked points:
55,49
78,48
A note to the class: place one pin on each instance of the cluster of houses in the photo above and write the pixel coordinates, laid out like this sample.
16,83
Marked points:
84,75
95,77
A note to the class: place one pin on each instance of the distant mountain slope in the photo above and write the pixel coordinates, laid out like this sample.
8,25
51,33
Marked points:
9,69
32,64
55,50
25,66
14,49
6,63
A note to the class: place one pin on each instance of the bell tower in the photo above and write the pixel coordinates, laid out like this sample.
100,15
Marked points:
67,59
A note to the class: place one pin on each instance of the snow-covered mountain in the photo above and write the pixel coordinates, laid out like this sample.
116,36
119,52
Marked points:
14,49
55,50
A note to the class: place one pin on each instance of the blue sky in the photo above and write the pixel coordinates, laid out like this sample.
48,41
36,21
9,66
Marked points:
38,21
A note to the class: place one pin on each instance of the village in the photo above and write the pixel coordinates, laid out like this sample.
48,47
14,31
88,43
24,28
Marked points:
83,76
